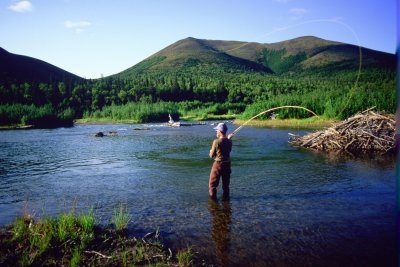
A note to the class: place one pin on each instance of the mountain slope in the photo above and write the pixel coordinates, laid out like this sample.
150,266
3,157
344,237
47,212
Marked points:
196,54
299,54
221,76
215,56
308,52
18,69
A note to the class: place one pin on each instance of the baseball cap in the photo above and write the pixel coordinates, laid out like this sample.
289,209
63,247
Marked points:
221,127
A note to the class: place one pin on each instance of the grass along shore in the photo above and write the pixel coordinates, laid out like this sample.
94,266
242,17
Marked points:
308,123
73,239
207,117
312,122
104,121
127,121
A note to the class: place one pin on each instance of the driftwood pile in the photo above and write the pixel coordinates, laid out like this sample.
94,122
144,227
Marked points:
367,132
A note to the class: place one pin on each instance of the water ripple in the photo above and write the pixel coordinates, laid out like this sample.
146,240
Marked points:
287,205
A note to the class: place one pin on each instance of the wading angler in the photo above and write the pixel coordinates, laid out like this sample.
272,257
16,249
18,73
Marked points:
220,151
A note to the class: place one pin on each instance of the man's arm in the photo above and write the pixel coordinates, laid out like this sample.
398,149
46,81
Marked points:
213,150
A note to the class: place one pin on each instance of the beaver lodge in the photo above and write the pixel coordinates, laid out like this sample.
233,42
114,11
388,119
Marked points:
367,132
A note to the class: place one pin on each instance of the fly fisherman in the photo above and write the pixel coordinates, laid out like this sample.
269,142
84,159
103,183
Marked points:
220,150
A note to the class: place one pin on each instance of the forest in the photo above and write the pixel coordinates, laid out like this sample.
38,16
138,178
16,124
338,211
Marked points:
150,96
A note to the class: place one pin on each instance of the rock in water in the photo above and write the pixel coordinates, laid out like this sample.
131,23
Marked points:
99,134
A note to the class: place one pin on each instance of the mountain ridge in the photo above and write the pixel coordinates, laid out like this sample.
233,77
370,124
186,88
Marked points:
192,51
209,56
21,68
210,76
298,54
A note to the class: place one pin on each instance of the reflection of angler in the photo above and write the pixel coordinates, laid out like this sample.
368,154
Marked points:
220,231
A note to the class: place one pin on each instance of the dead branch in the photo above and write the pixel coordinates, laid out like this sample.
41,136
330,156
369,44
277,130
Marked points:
98,253
364,133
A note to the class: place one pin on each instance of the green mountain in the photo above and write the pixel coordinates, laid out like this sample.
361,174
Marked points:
35,92
214,56
300,54
18,69
194,54
197,77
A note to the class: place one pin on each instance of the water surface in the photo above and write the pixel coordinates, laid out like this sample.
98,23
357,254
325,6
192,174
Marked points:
288,207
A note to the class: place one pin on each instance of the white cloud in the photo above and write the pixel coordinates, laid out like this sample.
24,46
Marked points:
298,11
78,26
21,6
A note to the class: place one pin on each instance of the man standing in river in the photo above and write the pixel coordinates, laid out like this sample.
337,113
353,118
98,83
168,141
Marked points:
220,151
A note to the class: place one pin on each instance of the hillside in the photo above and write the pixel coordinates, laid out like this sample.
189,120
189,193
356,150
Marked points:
196,78
17,69
300,54
194,53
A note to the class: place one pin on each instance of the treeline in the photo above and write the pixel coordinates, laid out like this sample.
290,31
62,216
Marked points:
40,116
160,111
334,94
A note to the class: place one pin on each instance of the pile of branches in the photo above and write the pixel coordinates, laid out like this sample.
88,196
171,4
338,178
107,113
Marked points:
367,132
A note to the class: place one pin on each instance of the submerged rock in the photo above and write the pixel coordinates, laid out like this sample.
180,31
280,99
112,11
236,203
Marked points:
110,133
99,134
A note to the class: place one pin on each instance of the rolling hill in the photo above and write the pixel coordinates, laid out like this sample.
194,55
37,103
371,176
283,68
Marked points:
17,69
300,54
207,77
215,56
194,53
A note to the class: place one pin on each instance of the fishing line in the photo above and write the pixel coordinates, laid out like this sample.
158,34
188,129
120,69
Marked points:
266,111
353,89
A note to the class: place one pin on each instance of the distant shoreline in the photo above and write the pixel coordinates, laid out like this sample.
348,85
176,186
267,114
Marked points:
314,123
16,127
309,123
103,121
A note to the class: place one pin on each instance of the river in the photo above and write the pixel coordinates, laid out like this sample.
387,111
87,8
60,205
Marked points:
288,206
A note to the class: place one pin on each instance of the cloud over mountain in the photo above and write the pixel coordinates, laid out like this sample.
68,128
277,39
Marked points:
21,7
78,26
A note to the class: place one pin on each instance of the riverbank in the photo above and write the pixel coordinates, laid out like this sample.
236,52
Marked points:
75,240
103,121
15,127
189,118
207,117
308,123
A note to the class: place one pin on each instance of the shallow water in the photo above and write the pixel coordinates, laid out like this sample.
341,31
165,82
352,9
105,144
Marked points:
288,207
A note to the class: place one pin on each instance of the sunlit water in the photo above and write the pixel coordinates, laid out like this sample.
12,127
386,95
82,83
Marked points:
288,207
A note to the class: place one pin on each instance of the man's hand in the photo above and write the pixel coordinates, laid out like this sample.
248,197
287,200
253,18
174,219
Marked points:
211,154
230,136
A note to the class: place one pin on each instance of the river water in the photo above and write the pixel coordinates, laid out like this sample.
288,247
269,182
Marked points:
288,207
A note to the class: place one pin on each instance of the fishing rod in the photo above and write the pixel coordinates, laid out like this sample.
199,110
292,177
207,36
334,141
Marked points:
264,112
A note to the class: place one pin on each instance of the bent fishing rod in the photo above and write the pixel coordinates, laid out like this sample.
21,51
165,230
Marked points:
264,112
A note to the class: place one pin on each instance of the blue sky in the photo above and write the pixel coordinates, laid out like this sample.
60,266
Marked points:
91,38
